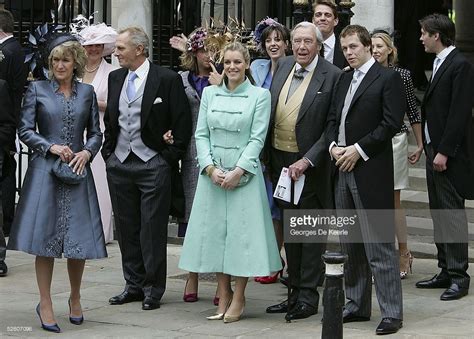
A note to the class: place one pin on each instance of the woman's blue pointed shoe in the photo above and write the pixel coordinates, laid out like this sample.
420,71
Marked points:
47,327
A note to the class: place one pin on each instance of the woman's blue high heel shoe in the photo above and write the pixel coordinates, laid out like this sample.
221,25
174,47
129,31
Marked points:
51,328
75,320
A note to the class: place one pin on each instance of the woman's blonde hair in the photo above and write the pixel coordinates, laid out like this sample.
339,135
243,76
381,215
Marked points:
189,61
69,48
392,58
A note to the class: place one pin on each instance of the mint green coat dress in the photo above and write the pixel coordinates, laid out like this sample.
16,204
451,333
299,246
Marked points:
231,231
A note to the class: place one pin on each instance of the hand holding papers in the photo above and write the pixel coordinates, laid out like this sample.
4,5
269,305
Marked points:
283,188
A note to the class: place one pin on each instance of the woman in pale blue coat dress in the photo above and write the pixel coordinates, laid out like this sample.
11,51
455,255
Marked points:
230,229
54,218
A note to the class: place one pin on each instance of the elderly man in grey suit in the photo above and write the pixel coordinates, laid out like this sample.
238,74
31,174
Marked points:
301,92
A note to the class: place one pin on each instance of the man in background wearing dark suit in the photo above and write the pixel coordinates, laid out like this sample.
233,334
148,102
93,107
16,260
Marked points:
301,90
325,17
7,135
13,71
144,102
446,114
367,111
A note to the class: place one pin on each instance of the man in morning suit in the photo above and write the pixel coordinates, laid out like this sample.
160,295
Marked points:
7,136
446,114
13,71
144,101
301,92
325,16
367,111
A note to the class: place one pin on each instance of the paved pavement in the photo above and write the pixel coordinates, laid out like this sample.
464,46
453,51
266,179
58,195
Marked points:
425,315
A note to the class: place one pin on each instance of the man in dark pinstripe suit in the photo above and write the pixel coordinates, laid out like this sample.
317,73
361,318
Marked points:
367,111
449,146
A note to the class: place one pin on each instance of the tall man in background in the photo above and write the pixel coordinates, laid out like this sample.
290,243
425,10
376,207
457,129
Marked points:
446,114
325,17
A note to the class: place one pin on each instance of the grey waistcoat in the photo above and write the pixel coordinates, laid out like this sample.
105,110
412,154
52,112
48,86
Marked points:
129,139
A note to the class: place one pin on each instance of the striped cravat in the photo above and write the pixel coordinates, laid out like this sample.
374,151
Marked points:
298,77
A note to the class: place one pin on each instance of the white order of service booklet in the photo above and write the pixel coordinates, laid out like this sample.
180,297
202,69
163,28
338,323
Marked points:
283,188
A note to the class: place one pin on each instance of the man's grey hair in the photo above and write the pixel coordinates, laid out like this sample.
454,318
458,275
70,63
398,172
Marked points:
306,24
138,37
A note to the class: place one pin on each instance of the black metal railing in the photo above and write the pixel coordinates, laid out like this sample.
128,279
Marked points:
182,16
29,14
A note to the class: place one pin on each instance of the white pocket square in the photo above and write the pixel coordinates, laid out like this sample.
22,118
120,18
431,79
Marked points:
157,101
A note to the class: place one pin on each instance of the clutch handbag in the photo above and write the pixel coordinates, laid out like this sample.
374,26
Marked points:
64,173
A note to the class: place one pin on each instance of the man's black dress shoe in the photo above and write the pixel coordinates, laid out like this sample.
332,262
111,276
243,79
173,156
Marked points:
149,304
454,292
278,308
436,282
125,297
388,326
300,311
3,269
348,317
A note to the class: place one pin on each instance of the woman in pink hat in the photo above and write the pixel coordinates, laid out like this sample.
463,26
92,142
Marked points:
99,41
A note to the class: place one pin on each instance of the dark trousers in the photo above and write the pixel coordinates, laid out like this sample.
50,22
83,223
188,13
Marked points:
3,245
140,193
367,258
305,266
449,223
8,196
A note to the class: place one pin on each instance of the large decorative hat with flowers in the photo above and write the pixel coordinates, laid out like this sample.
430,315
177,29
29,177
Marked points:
196,40
97,34
260,27
38,49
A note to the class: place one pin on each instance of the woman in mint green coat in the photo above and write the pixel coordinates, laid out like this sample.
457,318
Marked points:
230,229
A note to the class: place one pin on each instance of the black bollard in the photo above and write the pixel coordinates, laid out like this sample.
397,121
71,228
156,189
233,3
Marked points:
333,297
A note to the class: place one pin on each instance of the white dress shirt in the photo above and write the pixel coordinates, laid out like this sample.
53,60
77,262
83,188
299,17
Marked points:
142,74
362,72
329,45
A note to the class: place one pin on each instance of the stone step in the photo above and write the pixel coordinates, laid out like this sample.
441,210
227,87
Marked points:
424,247
419,226
416,204
417,179
413,199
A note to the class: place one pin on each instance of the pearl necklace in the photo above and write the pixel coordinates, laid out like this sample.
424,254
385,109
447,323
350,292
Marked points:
92,70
